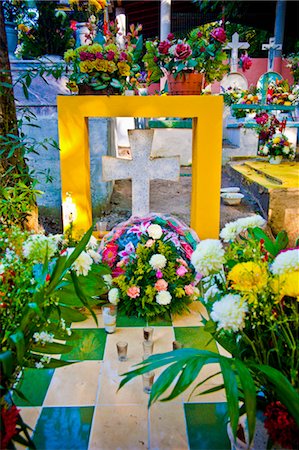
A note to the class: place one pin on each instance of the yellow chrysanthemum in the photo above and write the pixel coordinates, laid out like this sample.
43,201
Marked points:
69,55
101,65
287,284
124,68
111,66
94,48
97,5
86,66
276,140
248,277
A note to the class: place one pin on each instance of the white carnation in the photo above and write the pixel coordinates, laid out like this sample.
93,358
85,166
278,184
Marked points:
233,229
155,231
82,264
108,279
229,312
113,296
163,298
286,262
95,256
208,257
230,231
158,261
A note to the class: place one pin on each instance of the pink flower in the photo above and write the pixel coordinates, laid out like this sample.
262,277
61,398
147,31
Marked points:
262,118
110,253
86,56
156,59
182,51
188,249
133,291
117,271
199,34
246,62
123,56
99,55
159,274
149,243
182,261
181,270
189,289
110,55
163,47
170,36
161,285
219,35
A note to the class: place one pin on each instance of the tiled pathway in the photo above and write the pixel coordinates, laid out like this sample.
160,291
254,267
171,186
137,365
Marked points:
78,406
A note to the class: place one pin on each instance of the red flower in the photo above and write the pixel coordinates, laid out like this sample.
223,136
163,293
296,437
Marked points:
99,55
170,36
163,47
262,118
117,271
110,55
9,418
73,25
246,62
48,277
182,51
110,253
123,56
188,249
281,426
219,35
199,34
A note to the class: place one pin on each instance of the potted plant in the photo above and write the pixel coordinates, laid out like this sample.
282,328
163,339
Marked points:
197,60
11,10
104,68
44,281
250,288
277,148
150,262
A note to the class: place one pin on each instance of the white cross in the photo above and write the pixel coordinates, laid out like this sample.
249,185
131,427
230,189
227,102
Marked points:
234,46
271,47
141,169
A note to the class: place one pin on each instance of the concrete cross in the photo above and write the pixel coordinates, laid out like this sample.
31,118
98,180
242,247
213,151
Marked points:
141,169
234,46
271,47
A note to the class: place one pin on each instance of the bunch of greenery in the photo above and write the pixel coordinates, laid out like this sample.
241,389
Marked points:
250,289
43,284
293,64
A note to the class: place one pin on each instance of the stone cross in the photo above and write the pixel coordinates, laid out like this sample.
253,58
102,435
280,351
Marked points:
271,47
234,46
141,169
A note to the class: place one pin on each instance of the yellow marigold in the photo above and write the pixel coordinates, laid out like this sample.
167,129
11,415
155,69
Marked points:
248,277
69,55
23,27
86,66
101,65
287,284
111,66
72,85
276,140
124,68
98,5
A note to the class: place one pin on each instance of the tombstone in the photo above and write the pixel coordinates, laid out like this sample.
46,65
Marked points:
141,169
235,45
271,47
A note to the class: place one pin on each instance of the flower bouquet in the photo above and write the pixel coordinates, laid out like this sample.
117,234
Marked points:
44,281
280,93
278,145
150,262
104,68
202,52
250,287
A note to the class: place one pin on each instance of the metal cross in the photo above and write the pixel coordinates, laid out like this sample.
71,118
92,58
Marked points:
271,47
234,46
141,169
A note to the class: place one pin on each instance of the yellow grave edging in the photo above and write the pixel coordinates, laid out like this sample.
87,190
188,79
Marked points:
206,112
270,176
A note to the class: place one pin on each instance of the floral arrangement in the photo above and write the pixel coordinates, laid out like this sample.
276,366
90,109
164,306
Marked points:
245,62
105,67
293,64
250,287
43,282
151,269
278,145
235,95
202,52
267,126
280,93
83,9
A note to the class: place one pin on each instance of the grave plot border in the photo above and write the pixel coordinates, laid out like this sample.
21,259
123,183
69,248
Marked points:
206,113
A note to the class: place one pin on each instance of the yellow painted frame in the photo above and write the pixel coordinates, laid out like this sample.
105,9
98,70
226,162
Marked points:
206,112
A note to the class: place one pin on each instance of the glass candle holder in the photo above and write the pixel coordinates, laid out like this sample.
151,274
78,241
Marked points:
122,350
109,312
148,381
148,348
148,333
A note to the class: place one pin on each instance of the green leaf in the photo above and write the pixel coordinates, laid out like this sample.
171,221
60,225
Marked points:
162,383
281,241
69,314
231,389
249,392
82,297
6,360
260,234
52,348
116,83
19,341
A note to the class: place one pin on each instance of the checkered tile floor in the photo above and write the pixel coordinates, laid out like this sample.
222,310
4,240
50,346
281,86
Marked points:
78,406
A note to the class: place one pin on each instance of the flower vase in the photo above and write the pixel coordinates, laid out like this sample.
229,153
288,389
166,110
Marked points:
275,159
186,83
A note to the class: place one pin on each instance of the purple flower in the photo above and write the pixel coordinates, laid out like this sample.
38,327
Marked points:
86,56
99,55
159,274
110,55
219,35
128,250
123,56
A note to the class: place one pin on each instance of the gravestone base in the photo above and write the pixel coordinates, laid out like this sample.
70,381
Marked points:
275,189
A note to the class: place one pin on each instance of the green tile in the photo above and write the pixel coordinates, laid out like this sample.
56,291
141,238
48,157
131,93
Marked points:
34,385
206,426
161,321
124,321
63,428
195,337
90,345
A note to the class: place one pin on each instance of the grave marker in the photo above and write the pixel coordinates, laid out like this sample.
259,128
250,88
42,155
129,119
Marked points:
271,47
235,45
141,169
